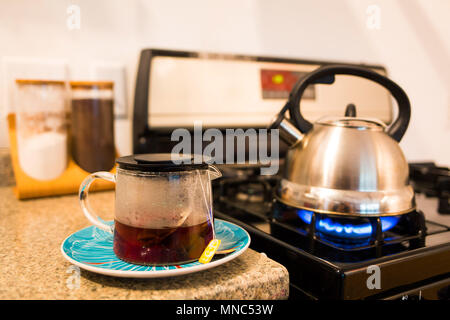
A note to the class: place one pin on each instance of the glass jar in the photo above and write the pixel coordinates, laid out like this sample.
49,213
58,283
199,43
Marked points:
41,124
92,131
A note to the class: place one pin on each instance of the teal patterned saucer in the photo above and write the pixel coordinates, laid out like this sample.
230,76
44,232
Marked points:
92,249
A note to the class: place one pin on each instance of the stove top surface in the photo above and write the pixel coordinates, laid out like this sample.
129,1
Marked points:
413,253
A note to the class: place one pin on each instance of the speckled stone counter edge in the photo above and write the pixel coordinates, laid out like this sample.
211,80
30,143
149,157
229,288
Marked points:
33,267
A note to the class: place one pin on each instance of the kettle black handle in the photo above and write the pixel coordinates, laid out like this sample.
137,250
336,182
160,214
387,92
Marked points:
396,130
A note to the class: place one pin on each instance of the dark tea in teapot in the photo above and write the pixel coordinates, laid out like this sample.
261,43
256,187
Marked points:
161,246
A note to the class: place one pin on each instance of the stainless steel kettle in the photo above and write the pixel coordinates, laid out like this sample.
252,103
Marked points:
345,165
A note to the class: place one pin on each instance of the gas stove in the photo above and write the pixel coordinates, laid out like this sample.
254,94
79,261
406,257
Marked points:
329,257
326,257
433,181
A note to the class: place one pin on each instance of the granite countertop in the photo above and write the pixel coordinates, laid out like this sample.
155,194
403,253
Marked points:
32,266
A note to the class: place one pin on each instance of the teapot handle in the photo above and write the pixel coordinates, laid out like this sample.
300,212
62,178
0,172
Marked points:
396,130
83,197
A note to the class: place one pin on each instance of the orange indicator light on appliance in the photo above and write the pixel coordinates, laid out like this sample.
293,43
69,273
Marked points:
278,79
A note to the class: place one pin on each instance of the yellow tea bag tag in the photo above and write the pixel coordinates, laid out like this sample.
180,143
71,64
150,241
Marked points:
210,250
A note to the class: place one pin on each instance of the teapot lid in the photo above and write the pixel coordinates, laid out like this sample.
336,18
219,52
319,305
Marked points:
156,162
352,122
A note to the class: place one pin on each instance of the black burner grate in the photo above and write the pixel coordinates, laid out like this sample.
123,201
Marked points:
409,233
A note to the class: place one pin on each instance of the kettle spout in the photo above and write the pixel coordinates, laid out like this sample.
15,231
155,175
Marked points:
288,132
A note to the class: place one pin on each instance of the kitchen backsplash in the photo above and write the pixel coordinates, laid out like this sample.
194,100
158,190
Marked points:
112,33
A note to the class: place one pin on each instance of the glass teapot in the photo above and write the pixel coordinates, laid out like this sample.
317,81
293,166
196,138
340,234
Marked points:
163,209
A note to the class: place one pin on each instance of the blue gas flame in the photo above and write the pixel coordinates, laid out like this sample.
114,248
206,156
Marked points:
333,227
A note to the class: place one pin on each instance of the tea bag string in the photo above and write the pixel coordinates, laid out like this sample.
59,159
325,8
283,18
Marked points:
208,205
211,218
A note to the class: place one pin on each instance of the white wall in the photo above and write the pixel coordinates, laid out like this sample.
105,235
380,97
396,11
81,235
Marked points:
412,43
